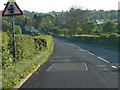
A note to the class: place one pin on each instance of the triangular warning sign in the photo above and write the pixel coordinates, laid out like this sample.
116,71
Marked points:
12,11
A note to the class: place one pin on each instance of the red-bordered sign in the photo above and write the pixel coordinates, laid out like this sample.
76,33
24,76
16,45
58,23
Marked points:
17,10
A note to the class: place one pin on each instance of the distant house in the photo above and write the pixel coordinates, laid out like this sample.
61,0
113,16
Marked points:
116,21
31,29
98,22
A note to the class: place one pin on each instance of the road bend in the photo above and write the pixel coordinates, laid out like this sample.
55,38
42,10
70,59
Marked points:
76,66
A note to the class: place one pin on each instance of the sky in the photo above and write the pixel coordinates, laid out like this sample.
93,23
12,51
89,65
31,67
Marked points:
45,6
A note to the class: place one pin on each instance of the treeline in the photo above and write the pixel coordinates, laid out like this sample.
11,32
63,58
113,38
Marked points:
102,14
72,22
75,21
92,14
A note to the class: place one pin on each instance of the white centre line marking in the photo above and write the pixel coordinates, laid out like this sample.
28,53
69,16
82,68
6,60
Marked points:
114,67
82,50
86,66
91,53
71,44
64,60
101,65
62,56
103,60
67,60
50,67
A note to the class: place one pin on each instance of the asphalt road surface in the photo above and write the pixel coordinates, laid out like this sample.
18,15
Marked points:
74,65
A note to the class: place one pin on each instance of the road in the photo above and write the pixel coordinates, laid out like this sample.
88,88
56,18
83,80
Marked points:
74,65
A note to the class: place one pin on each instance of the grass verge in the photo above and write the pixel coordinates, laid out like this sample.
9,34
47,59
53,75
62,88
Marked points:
22,68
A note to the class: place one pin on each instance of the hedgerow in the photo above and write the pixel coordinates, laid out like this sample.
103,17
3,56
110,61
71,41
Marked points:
31,51
108,40
25,46
6,51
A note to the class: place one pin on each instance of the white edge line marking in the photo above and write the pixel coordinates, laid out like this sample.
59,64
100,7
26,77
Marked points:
86,66
50,67
103,59
91,53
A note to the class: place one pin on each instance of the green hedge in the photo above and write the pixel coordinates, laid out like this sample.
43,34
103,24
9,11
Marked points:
6,51
108,40
31,51
26,46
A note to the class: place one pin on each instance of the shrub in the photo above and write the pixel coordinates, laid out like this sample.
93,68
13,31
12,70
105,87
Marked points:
6,51
103,36
110,40
25,46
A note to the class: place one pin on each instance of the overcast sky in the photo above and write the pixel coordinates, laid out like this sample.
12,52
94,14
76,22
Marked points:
59,5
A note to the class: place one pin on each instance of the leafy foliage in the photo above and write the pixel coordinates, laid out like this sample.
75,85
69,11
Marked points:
32,51
109,27
7,27
26,46
109,40
6,51
90,27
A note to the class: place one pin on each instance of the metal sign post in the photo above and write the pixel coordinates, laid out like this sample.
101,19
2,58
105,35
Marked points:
13,34
12,9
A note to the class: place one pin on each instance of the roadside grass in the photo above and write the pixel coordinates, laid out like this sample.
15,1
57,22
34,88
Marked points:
86,35
22,68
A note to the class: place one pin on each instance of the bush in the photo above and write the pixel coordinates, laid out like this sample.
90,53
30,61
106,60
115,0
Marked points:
32,51
18,30
103,36
26,47
43,42
6,51
7,27
110,40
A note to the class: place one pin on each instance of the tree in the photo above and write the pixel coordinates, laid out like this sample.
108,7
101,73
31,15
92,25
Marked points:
90,27
47,23
75,19
7,27
109,27
35,16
